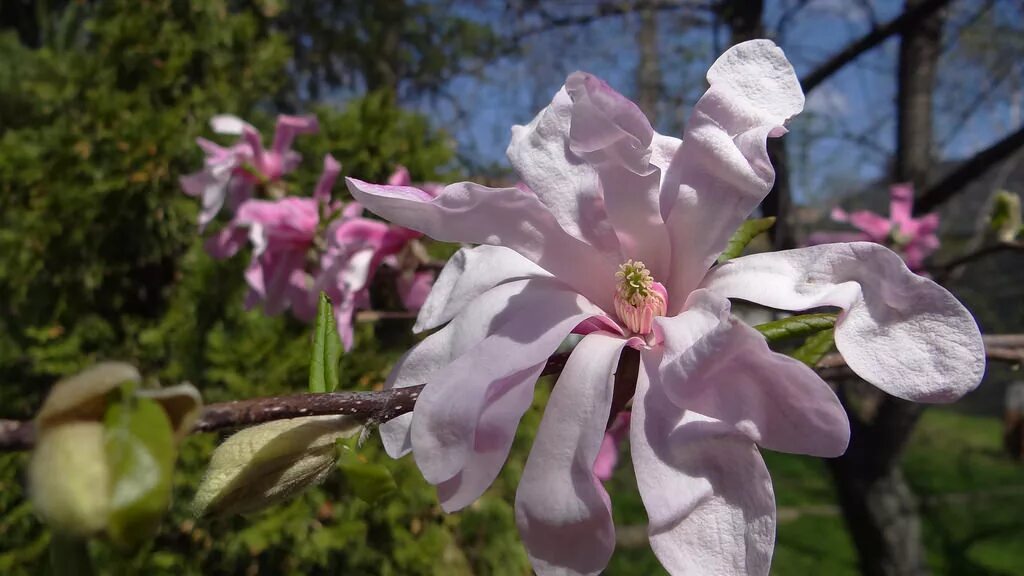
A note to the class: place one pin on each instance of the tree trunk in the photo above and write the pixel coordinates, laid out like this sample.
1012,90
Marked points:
878,506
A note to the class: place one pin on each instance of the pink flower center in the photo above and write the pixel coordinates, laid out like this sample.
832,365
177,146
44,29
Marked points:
638,298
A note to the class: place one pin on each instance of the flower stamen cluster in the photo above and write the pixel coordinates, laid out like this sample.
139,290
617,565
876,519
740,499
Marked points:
638,298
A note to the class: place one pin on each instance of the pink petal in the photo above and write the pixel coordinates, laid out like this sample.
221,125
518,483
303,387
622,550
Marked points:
718,366
291,220
608,455
507,399
566,184
352,210
400,177
474,321
508,217
288,127
901,205
445,429
840,215
226,243
875,226
414,288
344,311
721,171
611,134
332,168
901,332
708,495
271,274
563,513
468,274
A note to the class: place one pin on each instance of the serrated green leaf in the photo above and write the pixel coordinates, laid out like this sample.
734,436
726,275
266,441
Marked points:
815,347
323,365
269,463
796,326
366,480
139,446
743,235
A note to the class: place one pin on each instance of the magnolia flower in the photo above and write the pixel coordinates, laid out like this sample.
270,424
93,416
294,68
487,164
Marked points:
913,238
613,236
229,174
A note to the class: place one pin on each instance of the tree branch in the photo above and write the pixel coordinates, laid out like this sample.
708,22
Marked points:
381,406
370,407
943,271
966,172
876,36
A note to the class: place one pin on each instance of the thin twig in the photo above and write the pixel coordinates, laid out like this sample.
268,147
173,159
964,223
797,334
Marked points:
943,271
381,406
371,407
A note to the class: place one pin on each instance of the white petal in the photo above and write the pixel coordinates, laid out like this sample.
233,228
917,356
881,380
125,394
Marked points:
718,366
509,217
563,511
566,184
707,492
468,274
900,331
721,172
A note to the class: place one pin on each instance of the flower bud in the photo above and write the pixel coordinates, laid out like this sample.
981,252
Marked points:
69,479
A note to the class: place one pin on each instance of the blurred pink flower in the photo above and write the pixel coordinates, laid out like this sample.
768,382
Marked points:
913,238
229,174
295,256
608,454
563,253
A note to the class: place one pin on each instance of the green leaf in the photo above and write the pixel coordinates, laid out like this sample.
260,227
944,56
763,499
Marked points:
323,366
269,463
69,556
182,403
367,481
68,478
139,446
1005,219
743,235
815,348
796,326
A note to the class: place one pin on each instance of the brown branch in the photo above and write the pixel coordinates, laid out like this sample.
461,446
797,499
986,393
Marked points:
381,406
968,171
943,271
370,407
876,36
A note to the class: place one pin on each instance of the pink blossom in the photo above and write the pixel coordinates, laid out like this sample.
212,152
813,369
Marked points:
289,268
604,189
229,174
608,455
913,238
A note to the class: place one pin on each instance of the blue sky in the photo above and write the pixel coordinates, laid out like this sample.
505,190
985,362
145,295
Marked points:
844,137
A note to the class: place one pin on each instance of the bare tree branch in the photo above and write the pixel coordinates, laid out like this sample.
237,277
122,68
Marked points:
943,271
381,406
968,171
876,36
